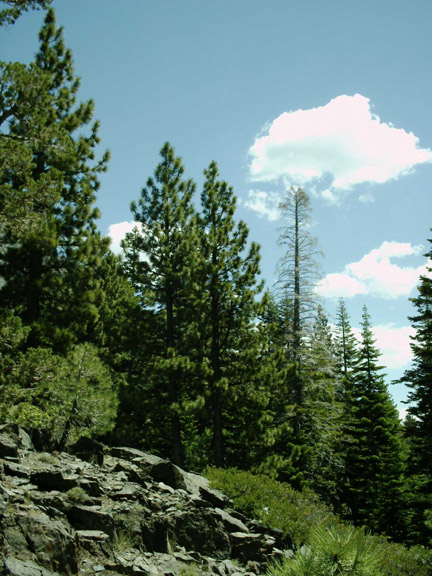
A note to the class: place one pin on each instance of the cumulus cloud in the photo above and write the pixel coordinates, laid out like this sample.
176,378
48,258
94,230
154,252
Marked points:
375,274
117,232
265,204
343,140
393,342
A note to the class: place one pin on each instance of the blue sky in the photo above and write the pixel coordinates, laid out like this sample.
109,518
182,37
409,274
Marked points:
334,96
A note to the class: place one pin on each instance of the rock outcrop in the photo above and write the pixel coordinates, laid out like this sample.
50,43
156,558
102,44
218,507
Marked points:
118,511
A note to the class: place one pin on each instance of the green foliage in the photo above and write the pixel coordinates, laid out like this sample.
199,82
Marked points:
68,397
374,489
17,7
397,560
323,546
77,495
272,503
333,551
418,379
160,261
48,180
228,306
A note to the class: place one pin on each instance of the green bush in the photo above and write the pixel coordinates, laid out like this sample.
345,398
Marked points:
401,561
68,397
339,550
272,503
323,545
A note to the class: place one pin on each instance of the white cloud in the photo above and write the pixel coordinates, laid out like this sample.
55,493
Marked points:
343,140
117,232
375,274
393,343
367,198
265,204
340,285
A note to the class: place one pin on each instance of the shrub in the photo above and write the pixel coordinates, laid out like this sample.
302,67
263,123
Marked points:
339,550
272,503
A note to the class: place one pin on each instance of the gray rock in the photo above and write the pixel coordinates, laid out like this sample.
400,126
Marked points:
248,547
215,497
53,480
8,448
166,472
136,514
16,567
89,450
13,469
231,523
91,518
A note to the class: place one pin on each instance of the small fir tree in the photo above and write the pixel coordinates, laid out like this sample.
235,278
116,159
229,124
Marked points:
374,490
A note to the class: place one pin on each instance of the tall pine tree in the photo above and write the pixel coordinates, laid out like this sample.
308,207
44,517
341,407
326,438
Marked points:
160,262
298,274
418,424
50,254
230,287
418,378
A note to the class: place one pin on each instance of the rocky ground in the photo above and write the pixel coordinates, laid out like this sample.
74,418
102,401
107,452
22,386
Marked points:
117,511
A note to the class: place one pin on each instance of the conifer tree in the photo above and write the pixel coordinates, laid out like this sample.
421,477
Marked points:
345,346
375,458
418,424
50,254
418,378
346,356
17,7
322,419
160,259
230,286
298,274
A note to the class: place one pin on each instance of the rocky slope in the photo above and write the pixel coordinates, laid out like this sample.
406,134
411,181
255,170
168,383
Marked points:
117,511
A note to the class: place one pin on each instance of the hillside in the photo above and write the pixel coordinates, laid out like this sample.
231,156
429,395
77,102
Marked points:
117,511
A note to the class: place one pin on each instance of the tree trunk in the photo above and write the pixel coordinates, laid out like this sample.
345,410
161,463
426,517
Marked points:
176,442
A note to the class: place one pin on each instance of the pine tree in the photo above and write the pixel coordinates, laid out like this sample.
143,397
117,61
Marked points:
11,15
418,379
298,274
50,254
418,424
347,357
345,346
375,458
160,261
229,286
322,418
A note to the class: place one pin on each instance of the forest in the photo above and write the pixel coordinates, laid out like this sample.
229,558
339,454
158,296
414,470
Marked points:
176,346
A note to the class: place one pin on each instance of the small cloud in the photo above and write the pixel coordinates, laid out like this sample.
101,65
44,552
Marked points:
375,274
117,232
265,204
367,198
343,141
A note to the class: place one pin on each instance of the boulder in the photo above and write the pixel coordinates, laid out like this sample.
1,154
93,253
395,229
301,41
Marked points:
168,473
